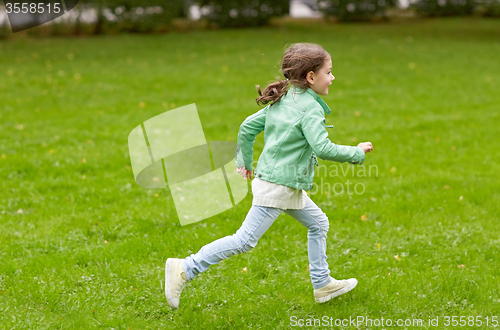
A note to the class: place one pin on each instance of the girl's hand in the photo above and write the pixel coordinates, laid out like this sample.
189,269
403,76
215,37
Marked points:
366,146
245,173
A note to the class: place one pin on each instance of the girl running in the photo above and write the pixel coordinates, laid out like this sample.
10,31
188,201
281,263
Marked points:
294,134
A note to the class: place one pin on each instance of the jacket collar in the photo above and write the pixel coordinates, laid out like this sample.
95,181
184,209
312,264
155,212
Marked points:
314,95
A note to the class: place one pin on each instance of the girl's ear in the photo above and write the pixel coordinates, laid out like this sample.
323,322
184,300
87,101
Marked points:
310,77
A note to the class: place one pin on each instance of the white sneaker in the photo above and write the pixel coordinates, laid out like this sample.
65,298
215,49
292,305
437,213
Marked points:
175,280
333,289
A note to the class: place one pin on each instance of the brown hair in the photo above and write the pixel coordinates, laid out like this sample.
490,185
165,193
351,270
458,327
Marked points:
298,59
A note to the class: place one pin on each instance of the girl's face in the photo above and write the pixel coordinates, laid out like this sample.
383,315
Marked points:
320,80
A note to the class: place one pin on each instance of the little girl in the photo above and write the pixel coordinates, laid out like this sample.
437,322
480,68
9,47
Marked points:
294,134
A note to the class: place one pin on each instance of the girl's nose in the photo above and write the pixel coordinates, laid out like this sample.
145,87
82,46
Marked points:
333,77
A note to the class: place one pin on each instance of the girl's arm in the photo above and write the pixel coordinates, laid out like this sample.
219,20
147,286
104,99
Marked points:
313,127
249,129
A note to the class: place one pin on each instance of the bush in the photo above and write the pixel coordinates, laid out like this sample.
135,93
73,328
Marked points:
135,16
146,16
355,10
434,8
242,13
4,31
490,8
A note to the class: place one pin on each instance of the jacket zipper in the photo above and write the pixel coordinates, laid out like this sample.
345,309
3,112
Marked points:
312,156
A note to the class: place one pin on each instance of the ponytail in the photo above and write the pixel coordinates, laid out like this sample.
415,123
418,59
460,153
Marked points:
273,92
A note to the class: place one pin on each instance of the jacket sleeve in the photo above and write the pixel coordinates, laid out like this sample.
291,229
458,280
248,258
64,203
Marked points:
313,127
249,129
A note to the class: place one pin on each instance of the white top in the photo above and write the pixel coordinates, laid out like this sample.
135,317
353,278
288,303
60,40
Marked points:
275,195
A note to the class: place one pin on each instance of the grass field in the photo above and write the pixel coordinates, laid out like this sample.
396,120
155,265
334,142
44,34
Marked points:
82,246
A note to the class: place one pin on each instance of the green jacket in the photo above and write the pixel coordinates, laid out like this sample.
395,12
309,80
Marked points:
294,134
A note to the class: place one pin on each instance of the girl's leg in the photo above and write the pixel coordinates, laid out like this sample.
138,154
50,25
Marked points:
256,223
316,221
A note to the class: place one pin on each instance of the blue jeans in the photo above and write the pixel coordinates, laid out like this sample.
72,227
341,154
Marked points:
257,222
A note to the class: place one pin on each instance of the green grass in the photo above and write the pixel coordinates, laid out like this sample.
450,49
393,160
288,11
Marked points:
82,246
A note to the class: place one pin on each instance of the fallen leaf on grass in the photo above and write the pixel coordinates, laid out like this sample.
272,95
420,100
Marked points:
378,246
461,266
397,257
244,270
393,169
364,217
460,198
447,187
